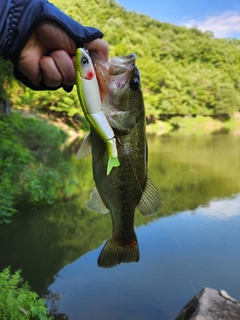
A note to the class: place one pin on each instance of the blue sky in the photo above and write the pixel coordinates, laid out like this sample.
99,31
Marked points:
222,17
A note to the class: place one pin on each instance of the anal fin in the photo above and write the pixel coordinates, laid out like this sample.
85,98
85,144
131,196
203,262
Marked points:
150,202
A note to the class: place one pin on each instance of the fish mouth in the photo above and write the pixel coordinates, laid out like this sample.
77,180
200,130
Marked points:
122,64
115,65
116,70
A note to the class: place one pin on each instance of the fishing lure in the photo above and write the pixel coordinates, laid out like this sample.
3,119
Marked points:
90,101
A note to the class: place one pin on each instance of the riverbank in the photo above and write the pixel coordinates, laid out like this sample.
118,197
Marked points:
33,165
187,125
195,125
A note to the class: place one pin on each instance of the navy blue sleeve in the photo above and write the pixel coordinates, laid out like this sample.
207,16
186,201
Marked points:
19,18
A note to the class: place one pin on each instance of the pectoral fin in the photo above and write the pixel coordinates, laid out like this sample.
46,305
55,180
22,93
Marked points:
150,202
95,202
85,148
123,121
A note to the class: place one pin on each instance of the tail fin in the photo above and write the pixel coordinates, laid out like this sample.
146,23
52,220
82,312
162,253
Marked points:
114,253
112,162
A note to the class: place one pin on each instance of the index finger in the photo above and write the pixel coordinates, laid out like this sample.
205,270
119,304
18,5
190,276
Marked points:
100,47
28,61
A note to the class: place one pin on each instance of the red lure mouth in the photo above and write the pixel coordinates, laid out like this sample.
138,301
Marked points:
89,75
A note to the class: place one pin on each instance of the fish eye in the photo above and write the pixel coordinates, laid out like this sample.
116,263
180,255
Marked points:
85,61
134,84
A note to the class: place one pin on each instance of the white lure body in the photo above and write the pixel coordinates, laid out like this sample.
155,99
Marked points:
90,100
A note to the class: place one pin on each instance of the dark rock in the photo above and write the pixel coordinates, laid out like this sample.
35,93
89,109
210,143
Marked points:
210,304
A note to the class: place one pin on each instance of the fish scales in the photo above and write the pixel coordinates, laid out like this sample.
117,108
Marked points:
122,190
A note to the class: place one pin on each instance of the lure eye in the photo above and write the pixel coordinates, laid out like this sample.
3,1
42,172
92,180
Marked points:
134,84
85,61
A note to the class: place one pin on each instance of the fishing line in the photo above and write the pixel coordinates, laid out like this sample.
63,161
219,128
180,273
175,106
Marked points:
170,234
127,153
193,289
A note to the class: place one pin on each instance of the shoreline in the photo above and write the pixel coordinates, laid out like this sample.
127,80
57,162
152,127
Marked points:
186,125
194,125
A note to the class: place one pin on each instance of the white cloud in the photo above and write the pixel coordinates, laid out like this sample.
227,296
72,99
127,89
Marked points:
225,25
222,209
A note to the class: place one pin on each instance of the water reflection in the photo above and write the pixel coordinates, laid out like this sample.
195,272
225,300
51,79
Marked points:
166,276
223,208
199,180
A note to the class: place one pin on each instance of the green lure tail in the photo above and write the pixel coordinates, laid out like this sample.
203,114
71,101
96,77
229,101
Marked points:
112,162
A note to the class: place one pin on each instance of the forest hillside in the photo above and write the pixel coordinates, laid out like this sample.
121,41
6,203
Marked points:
184,71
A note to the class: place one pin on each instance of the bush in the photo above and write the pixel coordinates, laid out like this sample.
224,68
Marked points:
17,301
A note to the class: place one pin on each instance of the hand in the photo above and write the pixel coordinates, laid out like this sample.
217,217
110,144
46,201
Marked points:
50,54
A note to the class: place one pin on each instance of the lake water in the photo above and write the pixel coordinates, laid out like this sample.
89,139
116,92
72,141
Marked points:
193,242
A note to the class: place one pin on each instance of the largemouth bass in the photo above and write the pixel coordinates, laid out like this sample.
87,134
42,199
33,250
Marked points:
128,186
